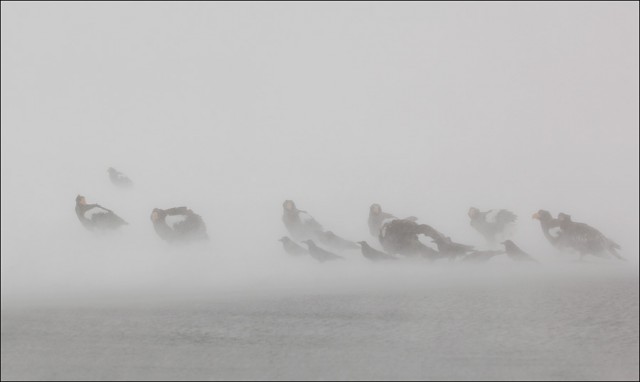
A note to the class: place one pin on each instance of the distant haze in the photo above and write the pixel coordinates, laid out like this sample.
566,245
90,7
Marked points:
231,108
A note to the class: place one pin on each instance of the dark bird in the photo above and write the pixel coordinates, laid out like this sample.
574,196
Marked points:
550,228
586,240
481,256
515,253
299,223
334,241
400,236
94,216
292,248
449,248
494,225
118,178
183,224
373,254
320,254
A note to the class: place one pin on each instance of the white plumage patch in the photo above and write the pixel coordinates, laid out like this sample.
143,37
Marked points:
555,232
175,219
94,211
491,216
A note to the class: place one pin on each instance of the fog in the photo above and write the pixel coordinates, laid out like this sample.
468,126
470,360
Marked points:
232,108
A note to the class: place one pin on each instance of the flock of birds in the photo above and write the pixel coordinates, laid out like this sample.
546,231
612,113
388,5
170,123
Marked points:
401,236
397,236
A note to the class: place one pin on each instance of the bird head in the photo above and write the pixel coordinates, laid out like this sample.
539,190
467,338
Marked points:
473,212
375,209
289,205
81,200
542,215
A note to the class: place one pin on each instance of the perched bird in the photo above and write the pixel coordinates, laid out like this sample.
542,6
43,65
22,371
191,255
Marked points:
515,253
377,218
494,225
400,236
334,241
118,178
299,223
481,256
320,254
449,248
184,224
373,254
587,240
292,248
550,228
94,216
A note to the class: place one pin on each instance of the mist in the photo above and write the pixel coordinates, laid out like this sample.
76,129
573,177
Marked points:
231,108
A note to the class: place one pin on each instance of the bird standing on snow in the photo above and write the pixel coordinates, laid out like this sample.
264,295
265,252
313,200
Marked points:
494,225
292,248
586,240
118,178
515,253
186,224
94,216
320,254
373,254
401,236
449,248
299,223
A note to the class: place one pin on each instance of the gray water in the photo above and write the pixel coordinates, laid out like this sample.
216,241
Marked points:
439,322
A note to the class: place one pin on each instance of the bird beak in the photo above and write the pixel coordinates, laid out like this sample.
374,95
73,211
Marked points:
535,216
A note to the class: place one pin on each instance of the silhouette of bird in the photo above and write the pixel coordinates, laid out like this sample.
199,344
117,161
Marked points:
586,240
449,248
320,254
299,223
515,253
292,248
494,225
400,236
550,228
334,241
118,178
184,225
94,216
373,254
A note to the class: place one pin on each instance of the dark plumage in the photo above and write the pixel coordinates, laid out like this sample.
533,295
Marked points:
320,254
373,254
94,216
449,248
299,223
585,239
292,248
188,226
481,256
401,236
334,241
515,253
550,228
118,178
494,225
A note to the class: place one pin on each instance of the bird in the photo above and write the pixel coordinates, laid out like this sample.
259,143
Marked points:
334,241
94,216
587,240
550,228
119,179
320,254
373,254
449,248
481,256
299,223
292,248
377,218
400,236
184,224
494,225
515,253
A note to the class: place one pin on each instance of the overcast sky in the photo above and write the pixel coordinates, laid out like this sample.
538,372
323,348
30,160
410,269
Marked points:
231,108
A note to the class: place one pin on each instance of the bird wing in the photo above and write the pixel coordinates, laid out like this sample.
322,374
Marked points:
555,232
172,220
95,210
